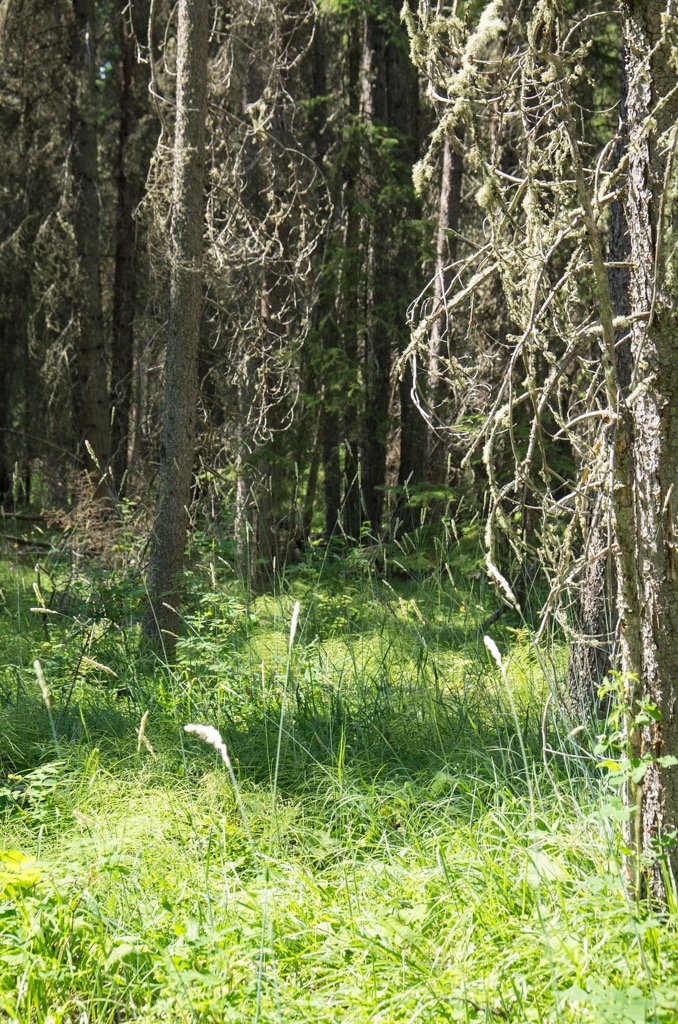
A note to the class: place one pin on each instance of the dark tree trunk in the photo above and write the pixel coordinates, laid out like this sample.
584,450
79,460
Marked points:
390,105
186,287
263,522
403,115
325,311
378,332
122,338
7,356
442,332
331,442
312,480
348,305
91,390
592,654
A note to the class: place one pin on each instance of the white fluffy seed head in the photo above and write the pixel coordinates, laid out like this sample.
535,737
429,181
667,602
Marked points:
208,734
293,624
494,651
42,684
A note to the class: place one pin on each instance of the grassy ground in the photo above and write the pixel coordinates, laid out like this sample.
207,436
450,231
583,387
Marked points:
412,834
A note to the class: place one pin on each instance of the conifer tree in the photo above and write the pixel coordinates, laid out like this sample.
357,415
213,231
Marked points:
187,230
545,229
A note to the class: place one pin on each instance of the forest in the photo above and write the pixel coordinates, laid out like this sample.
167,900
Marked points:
338,535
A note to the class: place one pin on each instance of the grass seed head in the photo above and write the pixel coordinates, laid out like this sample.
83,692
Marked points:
42,684
208,734
494,651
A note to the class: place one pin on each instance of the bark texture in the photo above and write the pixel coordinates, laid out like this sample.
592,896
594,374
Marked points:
262,532
7,357
348,304
377,365
181,392
649,425
404,119
390,106
449,211
592,655
122,339
91,391
326,319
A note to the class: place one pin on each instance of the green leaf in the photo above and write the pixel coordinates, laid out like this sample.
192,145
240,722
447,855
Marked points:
544,868
17,870
124,949
440,783
616,810
667,761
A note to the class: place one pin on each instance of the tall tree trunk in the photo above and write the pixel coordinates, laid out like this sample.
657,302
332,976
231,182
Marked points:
390,106
403,118
7,362
181,392
325,311
122,338
91,392
348,300
449,211
267,520
646,507
591,655
308,505
377,364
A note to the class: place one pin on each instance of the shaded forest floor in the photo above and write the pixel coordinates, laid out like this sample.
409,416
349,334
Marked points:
414,834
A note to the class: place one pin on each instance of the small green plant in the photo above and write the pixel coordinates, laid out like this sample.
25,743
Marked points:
32,794
17,871
626,770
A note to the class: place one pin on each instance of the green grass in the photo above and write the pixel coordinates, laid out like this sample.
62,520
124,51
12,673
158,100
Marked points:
414,854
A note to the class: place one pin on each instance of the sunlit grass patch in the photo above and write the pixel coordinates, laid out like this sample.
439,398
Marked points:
362,899
413,852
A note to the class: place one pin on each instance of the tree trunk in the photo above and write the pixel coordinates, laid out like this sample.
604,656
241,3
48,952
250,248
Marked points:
377,364
181,391
591,655
91,391
7,363
325,310
312,480
348,311
646,506
266,521
390,104
449,209
122,339
403,116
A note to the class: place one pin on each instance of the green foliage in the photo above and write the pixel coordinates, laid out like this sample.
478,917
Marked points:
411,857
625,770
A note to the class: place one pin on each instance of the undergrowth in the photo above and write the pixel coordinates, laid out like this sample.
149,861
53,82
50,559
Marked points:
414,833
